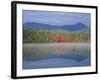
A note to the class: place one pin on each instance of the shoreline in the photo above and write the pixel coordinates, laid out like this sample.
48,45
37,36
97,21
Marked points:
56,44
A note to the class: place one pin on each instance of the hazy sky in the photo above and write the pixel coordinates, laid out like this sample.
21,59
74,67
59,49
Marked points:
55,18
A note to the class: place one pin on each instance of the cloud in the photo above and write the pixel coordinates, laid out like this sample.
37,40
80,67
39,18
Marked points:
56,18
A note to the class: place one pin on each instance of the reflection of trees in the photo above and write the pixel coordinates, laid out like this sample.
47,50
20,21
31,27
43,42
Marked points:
51,49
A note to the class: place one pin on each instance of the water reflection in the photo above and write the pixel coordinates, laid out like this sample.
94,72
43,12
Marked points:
55,51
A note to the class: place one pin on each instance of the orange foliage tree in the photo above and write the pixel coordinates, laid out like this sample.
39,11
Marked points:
62,38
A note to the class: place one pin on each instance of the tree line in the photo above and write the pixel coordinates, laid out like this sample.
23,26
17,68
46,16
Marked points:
31,35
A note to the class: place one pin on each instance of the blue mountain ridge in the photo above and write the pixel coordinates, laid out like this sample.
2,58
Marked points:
74,27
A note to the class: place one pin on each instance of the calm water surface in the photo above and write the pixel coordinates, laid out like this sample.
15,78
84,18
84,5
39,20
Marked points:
55,55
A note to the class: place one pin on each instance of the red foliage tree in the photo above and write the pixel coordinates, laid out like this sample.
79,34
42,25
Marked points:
62,38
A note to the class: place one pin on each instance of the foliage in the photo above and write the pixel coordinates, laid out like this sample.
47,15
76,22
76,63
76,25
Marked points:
31,35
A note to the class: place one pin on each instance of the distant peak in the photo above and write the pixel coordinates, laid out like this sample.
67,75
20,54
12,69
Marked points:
79,23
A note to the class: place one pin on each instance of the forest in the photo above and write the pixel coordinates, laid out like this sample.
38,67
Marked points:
31,35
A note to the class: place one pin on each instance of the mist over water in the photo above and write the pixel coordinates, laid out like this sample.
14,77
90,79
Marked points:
56,55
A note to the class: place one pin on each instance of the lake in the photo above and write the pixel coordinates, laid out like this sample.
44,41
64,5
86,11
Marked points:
55,55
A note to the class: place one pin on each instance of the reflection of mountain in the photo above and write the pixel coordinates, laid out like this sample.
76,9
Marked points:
74,27
49,55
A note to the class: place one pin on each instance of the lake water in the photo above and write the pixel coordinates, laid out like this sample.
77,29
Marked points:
56,55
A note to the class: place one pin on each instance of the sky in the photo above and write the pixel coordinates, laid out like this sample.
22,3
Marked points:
55,18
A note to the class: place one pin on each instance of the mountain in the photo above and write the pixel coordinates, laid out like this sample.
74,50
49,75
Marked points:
74,27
